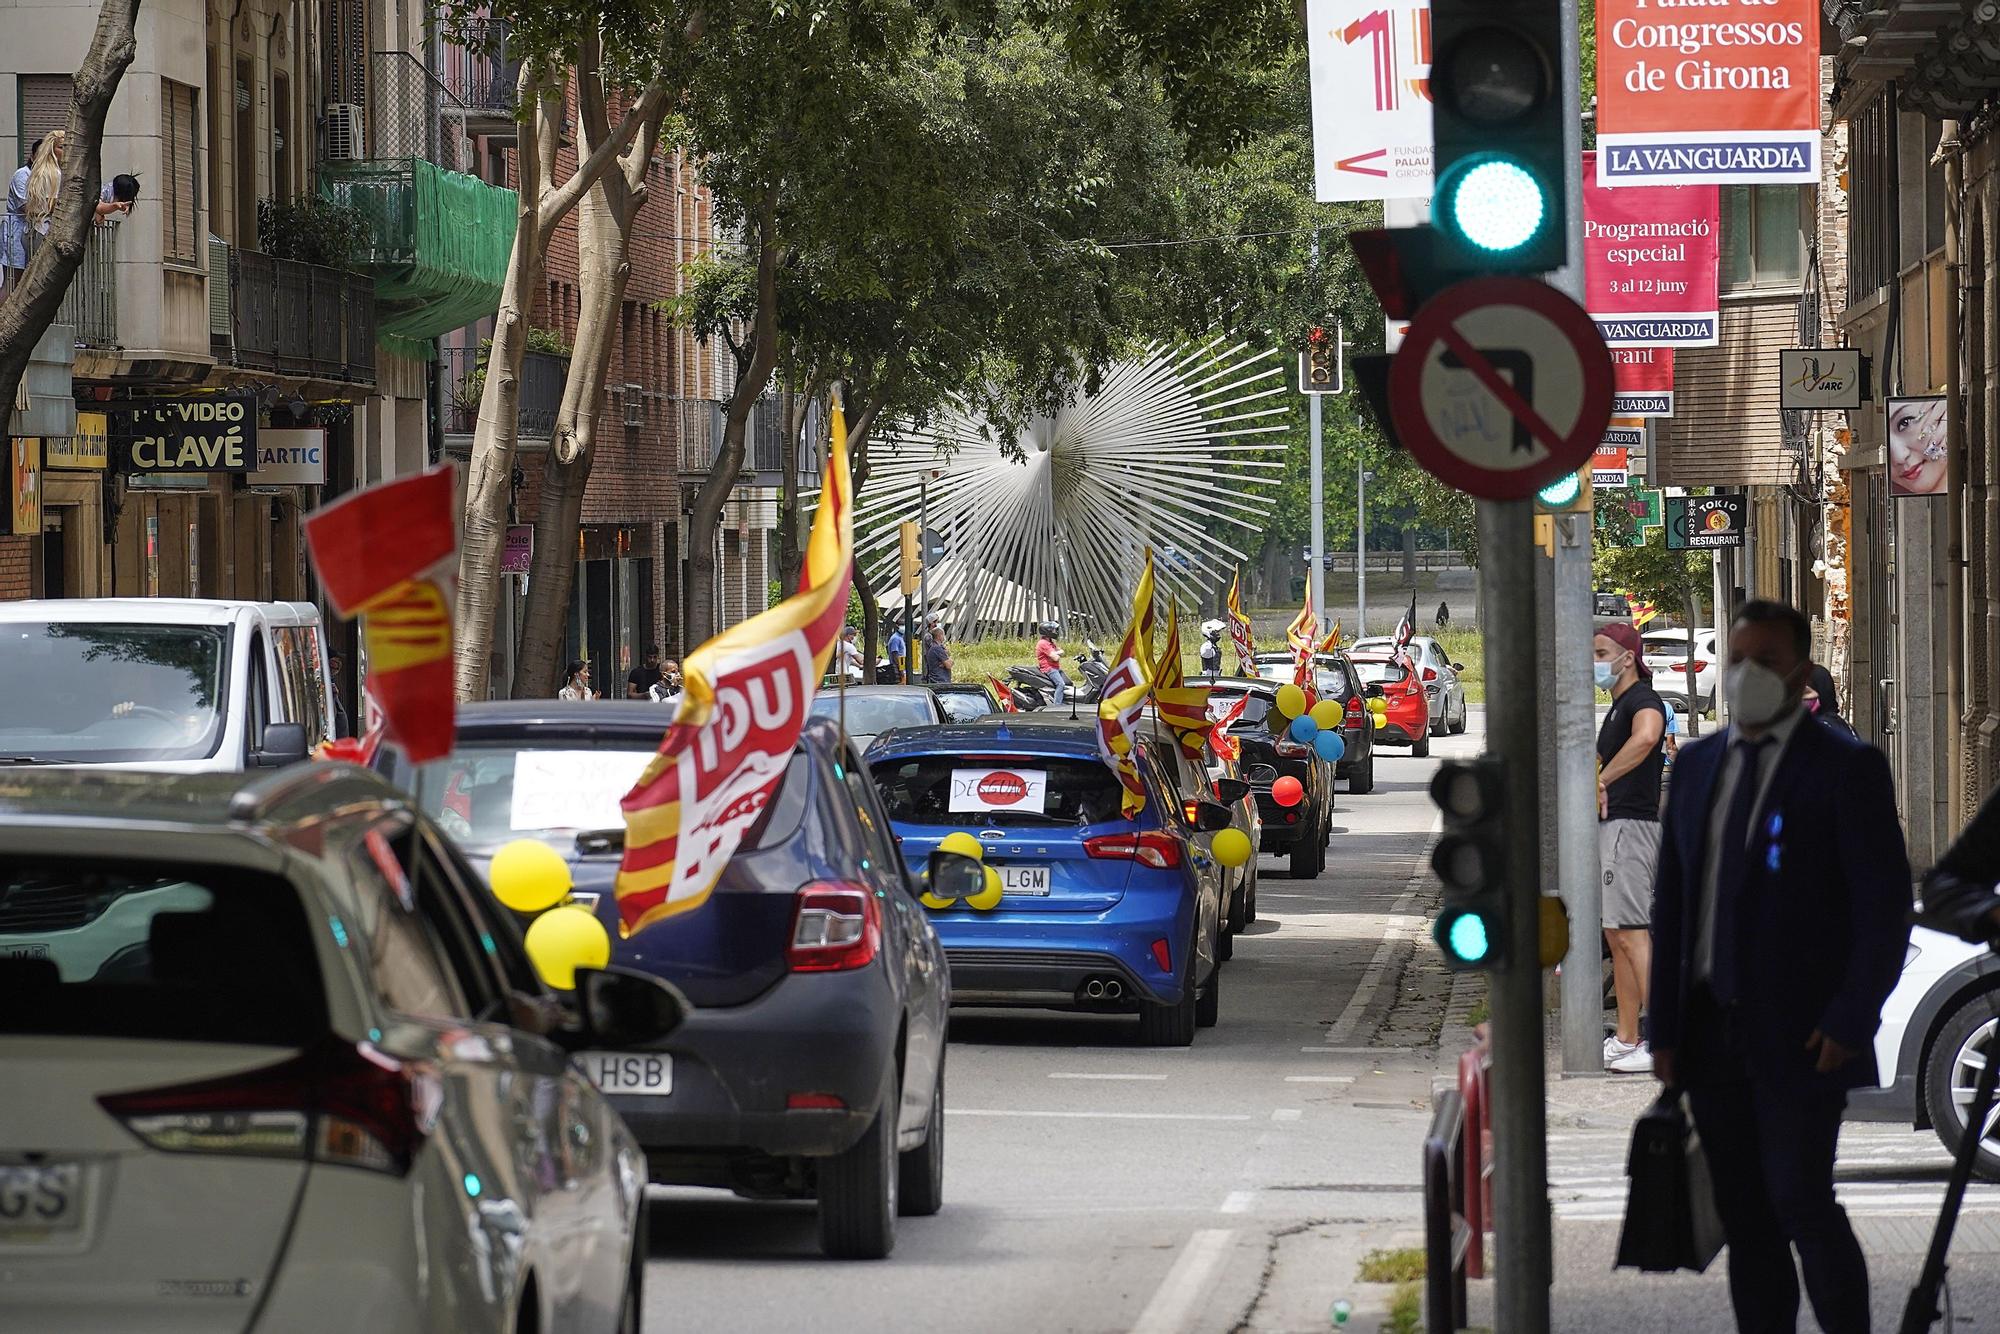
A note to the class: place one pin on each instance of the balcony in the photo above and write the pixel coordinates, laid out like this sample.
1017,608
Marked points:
90,307
303,321
543,375
701,422
484,82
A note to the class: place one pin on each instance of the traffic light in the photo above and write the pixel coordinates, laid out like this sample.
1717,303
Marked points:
1501,201
1471,860
1319,364
1567,494
912,562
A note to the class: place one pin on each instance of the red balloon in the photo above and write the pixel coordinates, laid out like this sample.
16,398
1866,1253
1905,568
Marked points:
1288,791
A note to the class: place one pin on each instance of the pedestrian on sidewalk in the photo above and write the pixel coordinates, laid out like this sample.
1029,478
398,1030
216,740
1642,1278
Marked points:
1779,925
1630,761
1823,701
1444,615
576,682
937,658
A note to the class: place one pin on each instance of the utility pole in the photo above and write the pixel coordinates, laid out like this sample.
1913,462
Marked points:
1316,575
1361,549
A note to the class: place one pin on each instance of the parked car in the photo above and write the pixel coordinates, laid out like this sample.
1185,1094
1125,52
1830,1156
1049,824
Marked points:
275,1037
1396,682
965,701
1938,1030
1298,832
1098,912
176,684
813,1063
1336,679
868,711
1666,656
1444,693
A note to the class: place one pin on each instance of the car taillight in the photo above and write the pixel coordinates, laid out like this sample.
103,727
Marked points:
1355,709
1290,749
1152,847
1698,665
335,1103
1430,674
835,926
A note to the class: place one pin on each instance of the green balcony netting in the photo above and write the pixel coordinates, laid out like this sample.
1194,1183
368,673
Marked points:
438,248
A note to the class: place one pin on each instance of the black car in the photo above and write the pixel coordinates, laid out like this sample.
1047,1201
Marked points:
813,1061
1334,678
1299,831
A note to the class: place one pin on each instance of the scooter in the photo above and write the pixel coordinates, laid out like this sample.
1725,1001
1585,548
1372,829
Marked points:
1095,672
1031,687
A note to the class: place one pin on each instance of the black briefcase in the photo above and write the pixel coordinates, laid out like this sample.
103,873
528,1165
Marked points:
1670,1217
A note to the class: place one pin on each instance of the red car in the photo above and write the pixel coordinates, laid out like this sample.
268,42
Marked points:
1408,721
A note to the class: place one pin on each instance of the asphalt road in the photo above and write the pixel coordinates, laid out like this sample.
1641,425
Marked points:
1095,1185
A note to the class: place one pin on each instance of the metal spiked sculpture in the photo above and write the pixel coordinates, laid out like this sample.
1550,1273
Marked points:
1173,452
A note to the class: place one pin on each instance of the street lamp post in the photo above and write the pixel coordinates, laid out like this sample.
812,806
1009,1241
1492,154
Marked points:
1362,477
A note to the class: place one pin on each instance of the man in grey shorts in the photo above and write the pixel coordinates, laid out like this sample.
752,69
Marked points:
1629,764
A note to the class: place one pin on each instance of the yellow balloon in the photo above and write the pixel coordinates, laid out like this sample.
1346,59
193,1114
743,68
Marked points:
1327,714
1381,720
528,875
1378,707
933,902
1231,847
964,844
1291,700
988,898
565,939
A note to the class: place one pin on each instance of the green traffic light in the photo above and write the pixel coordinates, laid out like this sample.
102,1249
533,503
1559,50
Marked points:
1562,491
1464,937
1496,204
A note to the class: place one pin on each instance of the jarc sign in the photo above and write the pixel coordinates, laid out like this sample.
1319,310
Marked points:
189,435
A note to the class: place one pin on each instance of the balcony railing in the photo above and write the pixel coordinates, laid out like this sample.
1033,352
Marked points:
543,375
302,319
91,305
702,422
478,71
416,114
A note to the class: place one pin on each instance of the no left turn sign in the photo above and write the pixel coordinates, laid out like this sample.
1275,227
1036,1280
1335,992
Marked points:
1501,386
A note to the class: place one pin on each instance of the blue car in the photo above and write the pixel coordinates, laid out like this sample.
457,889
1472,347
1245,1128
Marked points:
1098,913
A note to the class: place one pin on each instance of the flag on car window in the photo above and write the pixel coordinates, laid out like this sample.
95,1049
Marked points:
1239,628
1225,745
1406,629
745,697
1304,628
1002,693
1123,697
1332,640
386,554
1183,708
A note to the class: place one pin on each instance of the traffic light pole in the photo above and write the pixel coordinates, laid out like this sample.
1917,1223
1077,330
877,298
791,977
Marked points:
1513,736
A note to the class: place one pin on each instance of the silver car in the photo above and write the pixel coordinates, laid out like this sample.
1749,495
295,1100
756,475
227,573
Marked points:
273,1063
1443,691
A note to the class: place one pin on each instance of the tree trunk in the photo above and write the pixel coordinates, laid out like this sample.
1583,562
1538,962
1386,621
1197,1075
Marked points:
29,307
790,557
706,518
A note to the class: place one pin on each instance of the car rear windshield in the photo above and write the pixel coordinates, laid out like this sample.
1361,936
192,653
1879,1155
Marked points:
872,715
486,794
998,790
963,706
1255,707
85,692
191,954
1380,673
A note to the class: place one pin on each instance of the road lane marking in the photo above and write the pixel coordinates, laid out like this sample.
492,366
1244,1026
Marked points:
1094,1116
1287,1114
1238,1202
1173,1305
1371,980
1319,1079
1079,1074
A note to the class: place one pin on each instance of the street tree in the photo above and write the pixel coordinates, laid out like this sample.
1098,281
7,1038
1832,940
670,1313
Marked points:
30,305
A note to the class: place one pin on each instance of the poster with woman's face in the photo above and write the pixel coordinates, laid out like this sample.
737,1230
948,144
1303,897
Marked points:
1916,447
25,486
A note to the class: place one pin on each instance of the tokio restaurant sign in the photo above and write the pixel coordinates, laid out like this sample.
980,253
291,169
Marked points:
1708,91
188,435
1650,262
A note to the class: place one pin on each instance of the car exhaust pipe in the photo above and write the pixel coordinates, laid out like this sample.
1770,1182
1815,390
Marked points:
1114,989
1094,989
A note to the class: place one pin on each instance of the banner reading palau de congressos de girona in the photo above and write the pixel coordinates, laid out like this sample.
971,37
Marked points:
1708,92
1650,262
1371,100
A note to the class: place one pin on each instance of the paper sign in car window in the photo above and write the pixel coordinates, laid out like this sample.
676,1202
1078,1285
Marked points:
573,789
1000,790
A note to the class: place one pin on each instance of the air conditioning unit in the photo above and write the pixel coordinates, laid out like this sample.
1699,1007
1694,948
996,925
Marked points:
346,132
635,414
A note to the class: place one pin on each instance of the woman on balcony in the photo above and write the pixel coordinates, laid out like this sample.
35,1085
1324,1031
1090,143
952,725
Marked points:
31,203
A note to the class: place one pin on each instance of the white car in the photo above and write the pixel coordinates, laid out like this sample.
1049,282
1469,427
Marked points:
1666,658
276,1061
1938,1029
1443,691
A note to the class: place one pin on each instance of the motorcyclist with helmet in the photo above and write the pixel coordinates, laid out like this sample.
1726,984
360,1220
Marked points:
1211,647
1048,660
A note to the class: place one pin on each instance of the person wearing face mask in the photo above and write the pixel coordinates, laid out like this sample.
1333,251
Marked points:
1629,764
1780,918
1823,701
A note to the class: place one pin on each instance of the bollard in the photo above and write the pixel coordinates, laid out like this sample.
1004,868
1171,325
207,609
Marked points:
1473,1068
1446,1236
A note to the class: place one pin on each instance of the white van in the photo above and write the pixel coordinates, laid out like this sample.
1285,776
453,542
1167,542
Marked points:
180,684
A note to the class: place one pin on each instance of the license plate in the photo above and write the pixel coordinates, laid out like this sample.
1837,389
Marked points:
40,1198
1024,881
645,1073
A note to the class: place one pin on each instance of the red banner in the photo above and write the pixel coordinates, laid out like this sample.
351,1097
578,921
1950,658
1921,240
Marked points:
1650,263
1643,381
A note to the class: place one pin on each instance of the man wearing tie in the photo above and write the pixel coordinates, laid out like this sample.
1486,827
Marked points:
1780,919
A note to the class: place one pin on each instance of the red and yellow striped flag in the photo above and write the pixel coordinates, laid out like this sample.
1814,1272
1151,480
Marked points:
1183,708
1239,628
747,695
1123,697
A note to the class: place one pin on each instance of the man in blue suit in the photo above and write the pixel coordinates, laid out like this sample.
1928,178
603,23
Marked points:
1780,918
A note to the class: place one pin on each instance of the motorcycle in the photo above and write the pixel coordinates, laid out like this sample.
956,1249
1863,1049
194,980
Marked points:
1095,672
1031,687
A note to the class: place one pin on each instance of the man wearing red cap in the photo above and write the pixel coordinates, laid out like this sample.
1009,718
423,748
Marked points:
1629,764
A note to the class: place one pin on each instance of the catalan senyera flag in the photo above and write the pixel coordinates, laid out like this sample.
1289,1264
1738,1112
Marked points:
1002,693
1123,698
746,696
1332,640
1239,628
1642,610
1225,745
1304,628
384,554
1183,708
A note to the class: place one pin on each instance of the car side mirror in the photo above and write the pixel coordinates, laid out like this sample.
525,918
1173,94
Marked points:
621,1007
284,744
955,875
1458,666
1210,818
1229,791
1262,773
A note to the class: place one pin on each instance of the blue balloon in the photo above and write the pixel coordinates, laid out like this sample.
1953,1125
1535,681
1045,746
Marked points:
1304,729
1330,747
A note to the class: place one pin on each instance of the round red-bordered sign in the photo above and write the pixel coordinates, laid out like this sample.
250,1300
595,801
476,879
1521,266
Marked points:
1001,788
1501,386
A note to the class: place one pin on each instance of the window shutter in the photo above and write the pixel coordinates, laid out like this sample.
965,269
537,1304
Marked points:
44,106
180,204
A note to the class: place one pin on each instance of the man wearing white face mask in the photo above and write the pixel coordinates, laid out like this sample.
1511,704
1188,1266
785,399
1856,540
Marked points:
1779,923
1629,764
